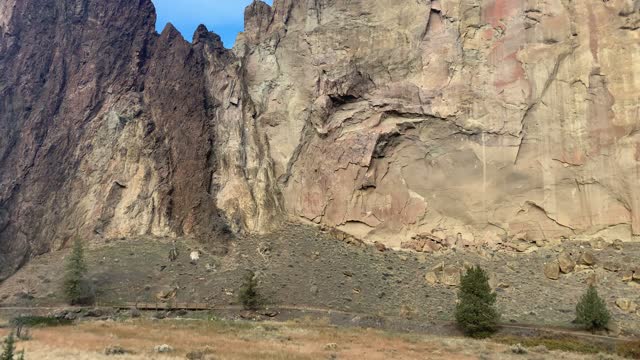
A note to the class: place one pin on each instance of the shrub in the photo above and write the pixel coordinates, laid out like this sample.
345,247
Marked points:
475,312
35,321
9,348
249,296
77,288
591,311
629,349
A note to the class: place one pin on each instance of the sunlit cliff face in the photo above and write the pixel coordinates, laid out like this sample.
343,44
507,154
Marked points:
462,123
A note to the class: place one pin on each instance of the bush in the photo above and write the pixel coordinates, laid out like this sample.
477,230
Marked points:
8,348
591,311
39,321
77,289
475,312
249,296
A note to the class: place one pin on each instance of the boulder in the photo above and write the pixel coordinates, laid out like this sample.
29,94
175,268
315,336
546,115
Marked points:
521,246
163,349
431,278
611,266
167,293
415,244
116,350
627,275
451,276
587,258
566,263
626,305
380,246
519,349
552,270
598,244
194,256
613,328
618,244
438,267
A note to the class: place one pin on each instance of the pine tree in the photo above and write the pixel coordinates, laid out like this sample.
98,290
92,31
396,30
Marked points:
475,312
249,296
75,285
9,348
591,311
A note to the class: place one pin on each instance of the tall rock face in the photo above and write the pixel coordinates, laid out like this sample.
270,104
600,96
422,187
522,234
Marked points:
107,127
465,120
468,120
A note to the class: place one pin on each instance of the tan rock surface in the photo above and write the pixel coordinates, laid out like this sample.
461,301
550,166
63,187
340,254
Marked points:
471,120
626,305
431,278
552,270
587,258
566,263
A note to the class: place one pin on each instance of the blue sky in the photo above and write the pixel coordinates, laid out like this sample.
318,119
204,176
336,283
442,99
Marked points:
224,17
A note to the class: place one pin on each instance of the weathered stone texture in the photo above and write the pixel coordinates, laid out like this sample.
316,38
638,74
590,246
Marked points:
475,119
470,121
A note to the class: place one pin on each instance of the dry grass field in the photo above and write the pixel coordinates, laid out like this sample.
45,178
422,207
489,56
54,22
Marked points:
243,341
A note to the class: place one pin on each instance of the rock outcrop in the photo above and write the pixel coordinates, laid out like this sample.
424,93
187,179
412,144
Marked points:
466,121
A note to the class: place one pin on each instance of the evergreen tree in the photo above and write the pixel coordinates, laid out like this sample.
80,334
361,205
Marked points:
591,311
249,296
475,312
9,348
76,288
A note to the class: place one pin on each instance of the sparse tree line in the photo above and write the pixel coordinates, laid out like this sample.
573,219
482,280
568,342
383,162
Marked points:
476,313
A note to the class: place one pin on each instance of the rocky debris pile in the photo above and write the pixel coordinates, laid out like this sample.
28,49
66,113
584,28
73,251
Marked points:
562,264
587,260
449,274
428,243
342,236
73,314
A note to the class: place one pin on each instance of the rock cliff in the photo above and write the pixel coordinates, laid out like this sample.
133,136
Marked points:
465,121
